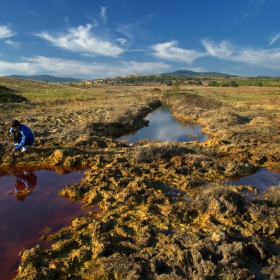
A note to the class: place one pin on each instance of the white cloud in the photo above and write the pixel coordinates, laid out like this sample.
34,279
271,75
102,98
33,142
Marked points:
122,41
81,40
60,67
169,51
10,68
221,50
269,58
6,32
274,38
265,58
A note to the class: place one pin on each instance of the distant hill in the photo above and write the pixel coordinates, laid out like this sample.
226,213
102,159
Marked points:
201,74
45,78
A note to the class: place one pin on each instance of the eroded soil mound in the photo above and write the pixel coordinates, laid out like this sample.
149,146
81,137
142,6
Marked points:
165,212
144,233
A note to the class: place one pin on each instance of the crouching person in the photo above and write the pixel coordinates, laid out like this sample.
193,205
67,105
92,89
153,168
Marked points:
23,136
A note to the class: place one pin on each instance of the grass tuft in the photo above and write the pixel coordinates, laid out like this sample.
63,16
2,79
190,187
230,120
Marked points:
153,151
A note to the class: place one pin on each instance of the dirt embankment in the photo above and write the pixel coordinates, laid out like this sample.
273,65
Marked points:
166,214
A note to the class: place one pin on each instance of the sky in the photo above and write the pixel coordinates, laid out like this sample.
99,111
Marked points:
91,39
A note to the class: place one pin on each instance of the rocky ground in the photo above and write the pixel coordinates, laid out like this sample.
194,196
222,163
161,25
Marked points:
166,210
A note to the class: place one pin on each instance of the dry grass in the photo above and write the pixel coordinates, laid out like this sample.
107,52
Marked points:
155,151
216,106
45,96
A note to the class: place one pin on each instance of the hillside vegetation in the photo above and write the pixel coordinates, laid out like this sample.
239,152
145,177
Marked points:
180,79
8,95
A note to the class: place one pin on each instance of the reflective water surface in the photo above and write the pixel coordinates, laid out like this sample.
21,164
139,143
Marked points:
164,127
262,180
30,204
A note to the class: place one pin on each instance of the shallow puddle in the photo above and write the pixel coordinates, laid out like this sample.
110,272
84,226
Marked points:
176,193
262,180
164,127
35,209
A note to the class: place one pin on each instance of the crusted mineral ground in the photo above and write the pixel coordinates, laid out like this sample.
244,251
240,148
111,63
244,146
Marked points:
166,210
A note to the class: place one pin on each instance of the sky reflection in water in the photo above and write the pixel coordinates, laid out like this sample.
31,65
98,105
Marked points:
163,127
262,180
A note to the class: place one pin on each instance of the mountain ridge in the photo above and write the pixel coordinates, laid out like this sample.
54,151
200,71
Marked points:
45,78
53,79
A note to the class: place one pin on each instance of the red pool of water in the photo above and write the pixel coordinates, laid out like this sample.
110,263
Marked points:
24,217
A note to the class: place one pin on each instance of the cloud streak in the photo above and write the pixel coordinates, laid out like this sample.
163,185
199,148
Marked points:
129,30
274,38
81,40
57,66
103,13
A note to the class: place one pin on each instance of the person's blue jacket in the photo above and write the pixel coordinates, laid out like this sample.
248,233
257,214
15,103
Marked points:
26,133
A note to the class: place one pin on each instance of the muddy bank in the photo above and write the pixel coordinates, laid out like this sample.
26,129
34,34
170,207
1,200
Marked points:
206,230
244,132
69,137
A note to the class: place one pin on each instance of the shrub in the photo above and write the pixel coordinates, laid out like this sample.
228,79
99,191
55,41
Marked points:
233,84
213,84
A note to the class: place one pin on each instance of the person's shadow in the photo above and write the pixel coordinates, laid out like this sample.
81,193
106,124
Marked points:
25,184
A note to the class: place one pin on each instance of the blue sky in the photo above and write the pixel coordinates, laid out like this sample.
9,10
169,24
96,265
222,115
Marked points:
92,39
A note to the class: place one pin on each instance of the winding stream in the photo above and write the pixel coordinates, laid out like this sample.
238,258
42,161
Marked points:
164,127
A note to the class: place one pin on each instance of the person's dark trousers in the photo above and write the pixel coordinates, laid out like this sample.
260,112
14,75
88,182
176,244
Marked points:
17,138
